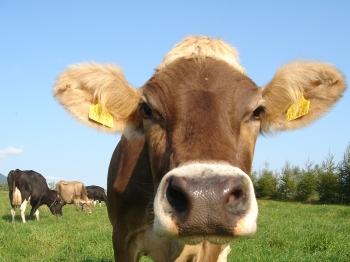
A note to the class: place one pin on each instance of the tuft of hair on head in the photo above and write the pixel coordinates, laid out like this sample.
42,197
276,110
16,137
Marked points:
202,46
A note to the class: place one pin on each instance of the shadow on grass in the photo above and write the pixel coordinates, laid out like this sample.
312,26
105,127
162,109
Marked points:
8,218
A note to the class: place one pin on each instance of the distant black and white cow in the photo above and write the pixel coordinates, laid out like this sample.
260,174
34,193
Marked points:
96,193
30,186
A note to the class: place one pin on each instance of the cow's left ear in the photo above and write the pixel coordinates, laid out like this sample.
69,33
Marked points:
99,96
319,83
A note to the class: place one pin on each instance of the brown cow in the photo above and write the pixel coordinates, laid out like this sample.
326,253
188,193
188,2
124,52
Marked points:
74,192
178,184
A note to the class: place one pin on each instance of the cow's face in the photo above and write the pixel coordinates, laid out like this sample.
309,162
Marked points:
200,116
86,205
56,208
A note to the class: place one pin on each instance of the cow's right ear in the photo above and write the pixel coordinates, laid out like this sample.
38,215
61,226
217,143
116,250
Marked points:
85,85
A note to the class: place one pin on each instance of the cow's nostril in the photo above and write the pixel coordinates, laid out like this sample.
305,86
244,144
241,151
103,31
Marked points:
176,198
236,194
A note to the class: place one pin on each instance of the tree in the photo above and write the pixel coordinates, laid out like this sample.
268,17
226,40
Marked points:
266,184
254,177
4,186
52,185
287,187
328,181
306,183
344,177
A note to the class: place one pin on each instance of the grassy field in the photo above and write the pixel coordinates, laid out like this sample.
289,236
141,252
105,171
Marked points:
286,232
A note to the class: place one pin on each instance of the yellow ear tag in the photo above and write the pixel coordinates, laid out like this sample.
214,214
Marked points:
97,115
303,109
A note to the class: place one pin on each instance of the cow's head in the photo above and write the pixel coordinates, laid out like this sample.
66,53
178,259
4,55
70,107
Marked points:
56,205
201,114
86,205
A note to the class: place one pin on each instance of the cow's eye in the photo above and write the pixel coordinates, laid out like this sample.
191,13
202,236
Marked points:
258,112
146,110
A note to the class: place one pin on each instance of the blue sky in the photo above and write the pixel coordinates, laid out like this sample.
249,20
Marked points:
39,39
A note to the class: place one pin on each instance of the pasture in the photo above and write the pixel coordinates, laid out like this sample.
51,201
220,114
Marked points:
286,232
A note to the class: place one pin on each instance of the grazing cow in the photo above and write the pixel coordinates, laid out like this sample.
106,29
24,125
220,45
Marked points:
73,192
55,193
96,193
30,186
179,186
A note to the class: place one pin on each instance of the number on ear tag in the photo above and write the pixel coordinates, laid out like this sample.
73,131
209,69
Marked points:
97,115
303,109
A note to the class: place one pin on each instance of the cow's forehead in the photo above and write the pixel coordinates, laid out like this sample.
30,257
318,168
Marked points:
203,79
202,46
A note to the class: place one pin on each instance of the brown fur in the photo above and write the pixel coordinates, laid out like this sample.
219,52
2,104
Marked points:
75,90
73,192
204,46
199,106
320,83
209,92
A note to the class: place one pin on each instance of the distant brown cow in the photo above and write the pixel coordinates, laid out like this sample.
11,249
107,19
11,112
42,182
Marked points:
74,192
178,184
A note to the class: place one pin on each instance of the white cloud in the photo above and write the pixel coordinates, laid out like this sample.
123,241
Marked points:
10,151
13,151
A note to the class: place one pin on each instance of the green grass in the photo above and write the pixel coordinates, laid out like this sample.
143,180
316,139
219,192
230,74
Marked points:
76,236
297,232
286,232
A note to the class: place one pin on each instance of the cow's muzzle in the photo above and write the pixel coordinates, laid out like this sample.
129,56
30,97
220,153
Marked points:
205,202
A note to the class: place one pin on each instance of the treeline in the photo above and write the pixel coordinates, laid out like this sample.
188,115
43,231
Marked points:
4,186
328,182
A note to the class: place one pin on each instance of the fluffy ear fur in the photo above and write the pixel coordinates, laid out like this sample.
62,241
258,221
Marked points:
81,86
320,83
